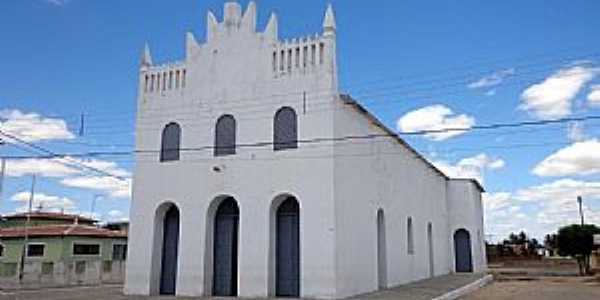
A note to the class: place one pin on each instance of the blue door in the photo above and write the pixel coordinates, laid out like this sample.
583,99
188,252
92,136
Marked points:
288,249
226,249
168,274
462,250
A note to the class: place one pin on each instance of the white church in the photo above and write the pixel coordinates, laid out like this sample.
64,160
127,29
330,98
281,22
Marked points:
255,177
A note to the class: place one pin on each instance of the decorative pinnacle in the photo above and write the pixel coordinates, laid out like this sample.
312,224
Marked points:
146,56
272,27
329,25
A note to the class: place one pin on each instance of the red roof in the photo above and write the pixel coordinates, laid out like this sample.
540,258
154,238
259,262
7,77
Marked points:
50,216
60,231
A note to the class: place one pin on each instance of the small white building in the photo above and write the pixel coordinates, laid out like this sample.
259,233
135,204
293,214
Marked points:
256,178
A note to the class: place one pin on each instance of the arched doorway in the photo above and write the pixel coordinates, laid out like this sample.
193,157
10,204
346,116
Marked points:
381,251
225,249
170,245
462,250
287,249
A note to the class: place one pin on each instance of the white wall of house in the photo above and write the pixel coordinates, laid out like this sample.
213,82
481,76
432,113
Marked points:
339,192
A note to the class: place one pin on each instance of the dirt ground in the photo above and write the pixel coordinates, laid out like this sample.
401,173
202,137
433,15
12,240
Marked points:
548,279
542,288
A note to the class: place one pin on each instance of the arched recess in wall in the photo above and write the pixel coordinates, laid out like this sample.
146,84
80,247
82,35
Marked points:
222,244
285,129
431,251
170,143
381,251
410,238
166,249
225,136
285,247
462,251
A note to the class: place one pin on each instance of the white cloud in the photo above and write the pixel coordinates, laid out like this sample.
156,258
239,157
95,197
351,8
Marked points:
470,167
435,117
41,200
116,216
72,176
553,98
582,158
564,190
575,132
44,167
111,186
594,96
541,209
57,2
32,127
492,80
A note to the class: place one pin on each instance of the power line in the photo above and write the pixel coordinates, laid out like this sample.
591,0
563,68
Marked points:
49,152
316,141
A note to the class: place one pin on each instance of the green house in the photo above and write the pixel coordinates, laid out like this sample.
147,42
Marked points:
52,249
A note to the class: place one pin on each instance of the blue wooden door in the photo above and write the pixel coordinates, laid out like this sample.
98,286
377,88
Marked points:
462,250
168,275
288,249
226,249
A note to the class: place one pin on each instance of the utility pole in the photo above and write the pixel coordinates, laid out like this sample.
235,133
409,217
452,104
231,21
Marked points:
27,224
93,208
580,202
2,174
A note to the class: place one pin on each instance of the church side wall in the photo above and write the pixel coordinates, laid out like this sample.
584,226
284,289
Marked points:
383,174
466,212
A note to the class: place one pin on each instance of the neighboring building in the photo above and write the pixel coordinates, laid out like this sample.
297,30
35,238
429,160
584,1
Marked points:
257,188
117,226
62,250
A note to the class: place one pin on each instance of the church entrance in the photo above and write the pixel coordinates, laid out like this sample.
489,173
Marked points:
225,252
462,250
288,249
168,273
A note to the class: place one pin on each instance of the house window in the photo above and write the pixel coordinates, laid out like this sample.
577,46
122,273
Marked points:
225,136
35,250
1,250
410,237
171,142
119,252
285,129
86,249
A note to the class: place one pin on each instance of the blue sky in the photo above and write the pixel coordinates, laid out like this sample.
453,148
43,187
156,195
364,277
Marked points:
415,64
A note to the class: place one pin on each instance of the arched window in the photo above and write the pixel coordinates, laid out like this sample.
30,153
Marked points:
171,143
285,129
225,136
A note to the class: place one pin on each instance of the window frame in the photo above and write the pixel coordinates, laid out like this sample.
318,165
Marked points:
223,151
76,243
44,245
124,245
166,153
278,144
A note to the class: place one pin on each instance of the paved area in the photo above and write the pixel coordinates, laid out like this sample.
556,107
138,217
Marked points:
542,288
424,290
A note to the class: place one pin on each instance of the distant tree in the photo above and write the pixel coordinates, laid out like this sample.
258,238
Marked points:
577,241
551,243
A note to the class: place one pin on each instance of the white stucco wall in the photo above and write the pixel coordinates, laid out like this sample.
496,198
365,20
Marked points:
232,73
339,185
382,173
465,210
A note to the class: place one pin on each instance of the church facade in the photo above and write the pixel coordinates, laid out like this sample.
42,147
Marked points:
255,177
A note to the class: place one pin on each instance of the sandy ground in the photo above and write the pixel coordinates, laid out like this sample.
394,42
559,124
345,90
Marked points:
533,288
